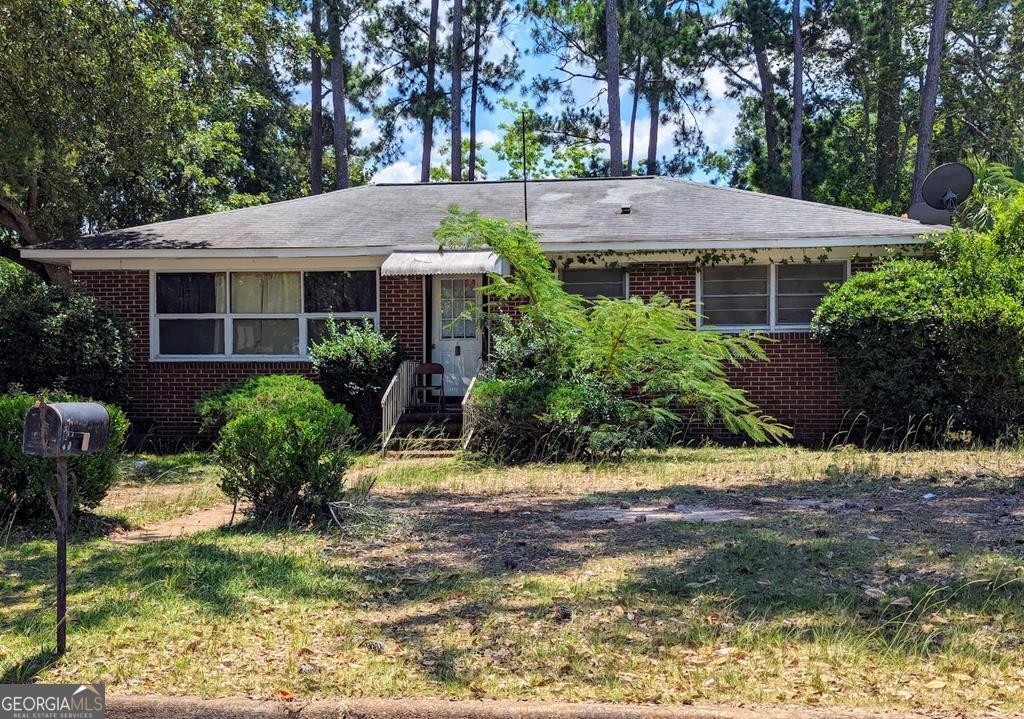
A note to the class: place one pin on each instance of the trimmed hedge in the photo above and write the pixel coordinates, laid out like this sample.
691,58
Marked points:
21,476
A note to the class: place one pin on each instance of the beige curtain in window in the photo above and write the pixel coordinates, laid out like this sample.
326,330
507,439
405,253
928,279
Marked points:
265,292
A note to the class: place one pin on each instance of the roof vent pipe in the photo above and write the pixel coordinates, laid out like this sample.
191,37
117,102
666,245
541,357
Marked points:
625,210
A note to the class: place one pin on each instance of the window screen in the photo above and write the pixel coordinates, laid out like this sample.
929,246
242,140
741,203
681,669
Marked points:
341,291
801,287
192,337
735,295
190,293
592,283
265,292
266,337
275,314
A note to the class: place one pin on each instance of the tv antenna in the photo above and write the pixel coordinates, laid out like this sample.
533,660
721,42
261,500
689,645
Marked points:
943,191
526,210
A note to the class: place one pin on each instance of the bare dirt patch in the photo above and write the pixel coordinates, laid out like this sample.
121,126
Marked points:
178,527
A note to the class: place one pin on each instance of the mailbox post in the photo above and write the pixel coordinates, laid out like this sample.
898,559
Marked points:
58,431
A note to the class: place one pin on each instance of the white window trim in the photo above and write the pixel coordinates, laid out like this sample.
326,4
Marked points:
625,276
229,336
773,325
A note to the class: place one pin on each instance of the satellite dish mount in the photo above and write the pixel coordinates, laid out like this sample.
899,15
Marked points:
943,191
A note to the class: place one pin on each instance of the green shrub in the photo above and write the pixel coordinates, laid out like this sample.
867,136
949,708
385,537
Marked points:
355,363
22,477
56,337
574,379
283,446
528,419
886,328
259,391
935,344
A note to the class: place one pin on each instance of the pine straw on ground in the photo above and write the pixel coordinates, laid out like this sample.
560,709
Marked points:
832,581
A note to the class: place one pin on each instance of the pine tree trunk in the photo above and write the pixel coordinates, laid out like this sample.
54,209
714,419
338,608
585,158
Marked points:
611,18
428,117
474,90
457,91
796,129
338,98
929,93
316,123
654,102
771,120
632,117
887,108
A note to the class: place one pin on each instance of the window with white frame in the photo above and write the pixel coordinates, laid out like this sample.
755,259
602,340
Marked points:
591,283
776,296
255,314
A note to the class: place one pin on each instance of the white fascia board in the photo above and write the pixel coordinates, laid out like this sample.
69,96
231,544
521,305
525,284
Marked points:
146,258
752,245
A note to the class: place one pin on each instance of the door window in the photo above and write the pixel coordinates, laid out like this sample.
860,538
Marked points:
458,304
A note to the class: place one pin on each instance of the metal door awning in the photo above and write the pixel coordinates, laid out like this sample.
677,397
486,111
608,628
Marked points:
452,262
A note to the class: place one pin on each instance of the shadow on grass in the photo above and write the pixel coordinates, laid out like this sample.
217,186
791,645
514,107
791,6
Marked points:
787,562
26,670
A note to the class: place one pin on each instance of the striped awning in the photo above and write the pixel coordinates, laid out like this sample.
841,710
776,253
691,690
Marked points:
452,262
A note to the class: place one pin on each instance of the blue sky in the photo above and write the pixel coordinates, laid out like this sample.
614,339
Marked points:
718,122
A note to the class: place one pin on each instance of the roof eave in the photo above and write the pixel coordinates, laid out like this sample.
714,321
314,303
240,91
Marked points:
58,256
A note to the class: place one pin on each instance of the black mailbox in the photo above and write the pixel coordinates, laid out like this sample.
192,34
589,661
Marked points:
64,429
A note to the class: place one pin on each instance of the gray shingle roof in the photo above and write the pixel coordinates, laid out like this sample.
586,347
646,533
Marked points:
378,218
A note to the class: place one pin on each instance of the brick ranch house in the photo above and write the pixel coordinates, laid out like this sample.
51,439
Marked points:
220,297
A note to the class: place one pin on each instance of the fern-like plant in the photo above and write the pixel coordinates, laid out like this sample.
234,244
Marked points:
650,354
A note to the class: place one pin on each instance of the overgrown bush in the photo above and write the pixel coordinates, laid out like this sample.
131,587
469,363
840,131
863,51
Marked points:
282,444
520,420
355,363
22,477
259,391
937,344
591,380
57,337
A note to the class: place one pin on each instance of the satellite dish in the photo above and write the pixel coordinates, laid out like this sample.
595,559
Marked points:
947,186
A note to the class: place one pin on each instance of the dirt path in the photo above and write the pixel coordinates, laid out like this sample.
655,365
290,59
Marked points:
178,527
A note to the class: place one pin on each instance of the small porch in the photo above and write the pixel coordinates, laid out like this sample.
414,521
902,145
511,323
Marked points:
423,404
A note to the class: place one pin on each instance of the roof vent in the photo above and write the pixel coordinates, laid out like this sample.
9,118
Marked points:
625,210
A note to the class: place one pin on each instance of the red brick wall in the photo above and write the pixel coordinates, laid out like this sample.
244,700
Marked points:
402,312
677,281
798,386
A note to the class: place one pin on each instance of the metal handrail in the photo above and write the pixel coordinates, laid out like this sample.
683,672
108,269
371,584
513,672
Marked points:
467,415
395,401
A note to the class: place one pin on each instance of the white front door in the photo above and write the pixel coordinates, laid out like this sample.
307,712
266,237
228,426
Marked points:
456,339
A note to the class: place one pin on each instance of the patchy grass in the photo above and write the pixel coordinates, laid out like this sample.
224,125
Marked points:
842,586
154,488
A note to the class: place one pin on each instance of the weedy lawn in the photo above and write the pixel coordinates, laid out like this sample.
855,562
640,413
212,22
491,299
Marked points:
821,578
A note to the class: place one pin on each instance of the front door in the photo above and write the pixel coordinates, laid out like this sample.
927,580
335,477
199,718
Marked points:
456,337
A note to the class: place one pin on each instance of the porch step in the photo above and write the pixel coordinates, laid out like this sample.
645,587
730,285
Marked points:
424,423
424,446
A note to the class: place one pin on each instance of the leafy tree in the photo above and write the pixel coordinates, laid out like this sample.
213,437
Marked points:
443,172
115,114
56,337
544,157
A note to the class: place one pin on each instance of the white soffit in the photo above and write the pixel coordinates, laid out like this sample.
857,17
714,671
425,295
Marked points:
442,263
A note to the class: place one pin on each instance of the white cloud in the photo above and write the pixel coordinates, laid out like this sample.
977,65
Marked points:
486,137
401,171
369,131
